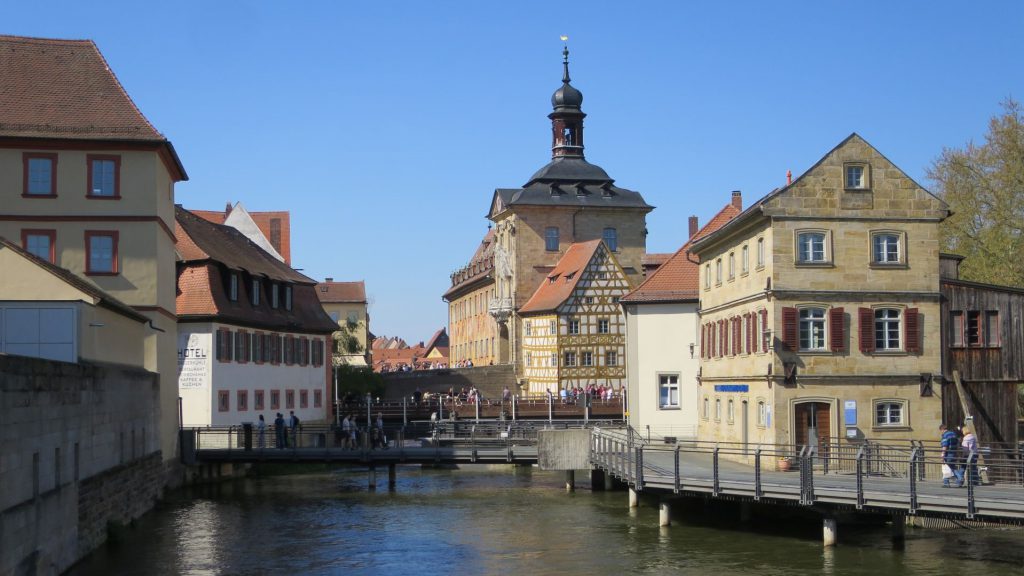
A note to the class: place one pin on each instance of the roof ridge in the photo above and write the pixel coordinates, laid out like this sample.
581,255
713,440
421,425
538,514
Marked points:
124,92
42,40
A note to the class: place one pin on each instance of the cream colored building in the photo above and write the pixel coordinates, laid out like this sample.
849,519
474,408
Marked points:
473,332
662,340
87,183
574,334
346,304
820,309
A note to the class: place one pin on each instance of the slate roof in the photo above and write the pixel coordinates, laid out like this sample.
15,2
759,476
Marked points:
69,277
678,279
342,292
560,282
208,251
65,89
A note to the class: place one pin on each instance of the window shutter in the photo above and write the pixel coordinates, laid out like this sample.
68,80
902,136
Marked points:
702,349
723,336
866,321
750,333
219,345
837,335
789,328
230,348
913,335
764,329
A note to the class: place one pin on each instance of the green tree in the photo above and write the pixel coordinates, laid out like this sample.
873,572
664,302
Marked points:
984,187
347,338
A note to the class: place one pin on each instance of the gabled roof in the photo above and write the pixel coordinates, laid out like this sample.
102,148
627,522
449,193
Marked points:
65,89
102,298
199,239
438,340
264,221
678,279
240,219
759,206
560,282
342,292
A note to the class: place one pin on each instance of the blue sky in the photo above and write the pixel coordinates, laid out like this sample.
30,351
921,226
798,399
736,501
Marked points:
384,127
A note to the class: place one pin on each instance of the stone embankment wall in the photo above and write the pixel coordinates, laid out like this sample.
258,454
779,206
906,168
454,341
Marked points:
490,380
79,451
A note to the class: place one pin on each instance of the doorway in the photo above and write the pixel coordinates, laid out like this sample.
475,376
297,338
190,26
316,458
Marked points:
812,424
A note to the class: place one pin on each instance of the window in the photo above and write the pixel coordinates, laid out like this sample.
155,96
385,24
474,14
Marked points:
275,293
570,358
856,177
602,326
275,399
289,399
318,398
956,328
574,326
887,329
731,411
718,271
287,297
588,300
257,399
611,238
745,259
992,328
885,248
973,333
40,175
889,413
255,292
812,329
104,176
707,276
553,327
223,401
760,252
718,409
527,358
553,361
668,391
732,265
587,359
704,410
762,413
233,287
101,253
978,329
242,400
40,243
811,247
551,239
303,398
611,358
526,327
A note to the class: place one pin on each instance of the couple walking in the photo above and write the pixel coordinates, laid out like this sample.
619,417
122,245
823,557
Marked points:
960,456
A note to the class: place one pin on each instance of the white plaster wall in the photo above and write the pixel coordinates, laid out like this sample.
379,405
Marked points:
659,338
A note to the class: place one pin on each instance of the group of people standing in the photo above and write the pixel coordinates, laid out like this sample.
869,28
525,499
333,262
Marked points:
285,433
347,434
960,455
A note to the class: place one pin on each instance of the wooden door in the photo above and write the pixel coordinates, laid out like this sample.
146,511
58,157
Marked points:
812,419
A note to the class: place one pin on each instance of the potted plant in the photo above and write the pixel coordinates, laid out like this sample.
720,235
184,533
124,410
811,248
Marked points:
784,463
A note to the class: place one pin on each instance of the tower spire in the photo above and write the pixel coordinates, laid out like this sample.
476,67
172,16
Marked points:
565,64
567,117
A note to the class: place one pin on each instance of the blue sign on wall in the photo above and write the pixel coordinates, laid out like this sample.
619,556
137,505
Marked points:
732,388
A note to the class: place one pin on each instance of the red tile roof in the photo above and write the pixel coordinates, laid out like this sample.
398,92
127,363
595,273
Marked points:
561,281
678,279
439,340
65,89
342,292
263,221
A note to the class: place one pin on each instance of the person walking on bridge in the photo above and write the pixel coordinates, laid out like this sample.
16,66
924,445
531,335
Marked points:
279,431
950,443
261,429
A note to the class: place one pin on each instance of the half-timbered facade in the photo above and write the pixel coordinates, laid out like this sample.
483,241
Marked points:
573,330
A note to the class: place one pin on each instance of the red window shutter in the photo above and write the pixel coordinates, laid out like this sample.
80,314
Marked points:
702,349
866,321
723,336
737,336
750,333
913,330
789,328
837,336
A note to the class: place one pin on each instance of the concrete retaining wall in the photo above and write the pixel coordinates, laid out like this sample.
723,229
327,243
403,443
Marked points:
490,380
80,449
563,449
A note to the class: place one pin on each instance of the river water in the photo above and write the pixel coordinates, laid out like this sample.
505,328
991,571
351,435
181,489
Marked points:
499,520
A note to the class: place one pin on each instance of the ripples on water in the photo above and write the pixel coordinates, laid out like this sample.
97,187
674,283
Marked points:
497,520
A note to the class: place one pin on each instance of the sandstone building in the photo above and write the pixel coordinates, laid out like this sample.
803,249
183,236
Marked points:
820,308
345,303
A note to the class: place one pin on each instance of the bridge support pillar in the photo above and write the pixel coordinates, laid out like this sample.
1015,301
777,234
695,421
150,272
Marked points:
373,477
609,482
392,475
664,514
598,480
744,512
899,531
829,531
634,498
570,480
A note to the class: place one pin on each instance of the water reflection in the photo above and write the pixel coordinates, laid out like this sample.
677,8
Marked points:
491,520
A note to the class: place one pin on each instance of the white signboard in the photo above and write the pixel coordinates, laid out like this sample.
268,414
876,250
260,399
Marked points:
194,365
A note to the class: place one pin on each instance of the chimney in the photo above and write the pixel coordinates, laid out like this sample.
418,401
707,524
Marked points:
227,208
693,226
328,279
737,199
789,177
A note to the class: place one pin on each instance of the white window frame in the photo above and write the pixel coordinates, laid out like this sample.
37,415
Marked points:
574,326
762,413
668,391
863,183
882,408
718,271
760,252
732,265
884,328
603,326
527,328
569,358
809,322
707,276
883,239
745,259
808,237
586,358
611,358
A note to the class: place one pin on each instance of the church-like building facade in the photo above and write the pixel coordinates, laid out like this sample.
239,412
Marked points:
567,202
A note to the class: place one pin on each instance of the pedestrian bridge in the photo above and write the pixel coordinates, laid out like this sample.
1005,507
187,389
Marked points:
898,478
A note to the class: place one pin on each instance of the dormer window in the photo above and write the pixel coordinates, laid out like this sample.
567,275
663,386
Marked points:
275,290
233,287
255,292
288,297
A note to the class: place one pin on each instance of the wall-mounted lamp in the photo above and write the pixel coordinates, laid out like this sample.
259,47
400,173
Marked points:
692,345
